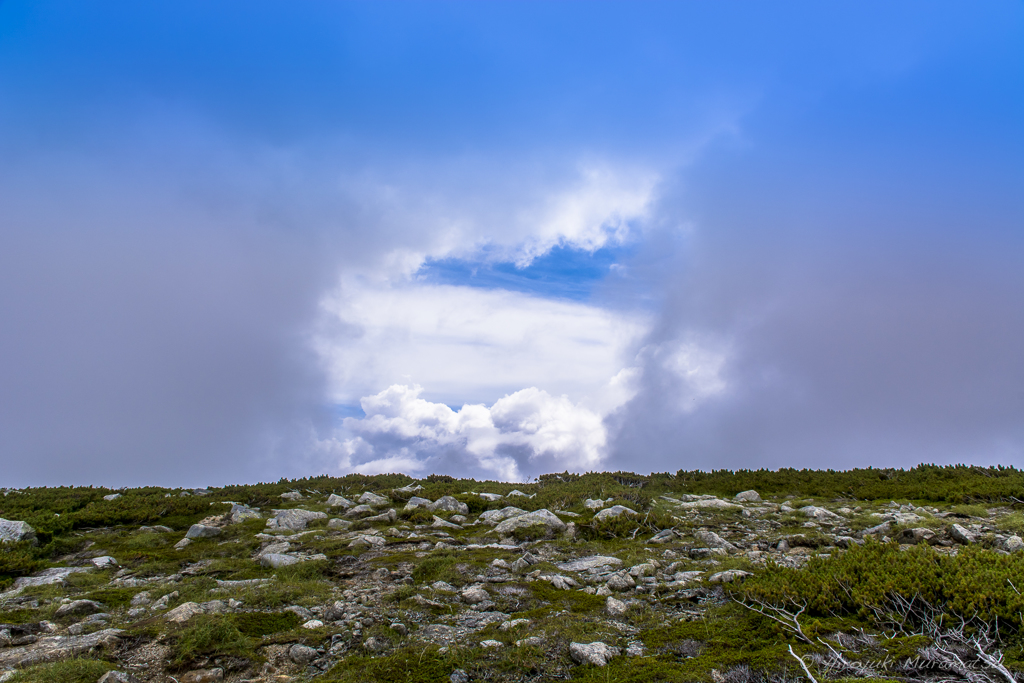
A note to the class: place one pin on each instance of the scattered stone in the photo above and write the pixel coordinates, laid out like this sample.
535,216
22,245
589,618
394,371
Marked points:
374,500
291,495
516,492
614,511
112,496
490,496
729,576
513,624
585,563
203,676
389,516
915,536
302,654
542,517
473,596
375,644
439,523
620,581
77,608
495,516
709,503
336,501
458,676
1013,544
532,641
597,653
615,608
202,531
182,544
184,612
342,524
821,514
487,644
104,562
360,511
400,628
664,536
417,502
877,529
962,535
240,513
57,648
750,496
593,504
713,540
118,677
296,519
448,504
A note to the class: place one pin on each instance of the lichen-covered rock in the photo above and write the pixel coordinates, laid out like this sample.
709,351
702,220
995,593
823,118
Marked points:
184,612
448,504
585,563
203,676
302,654
614,607
296,519
962,535
336,501
620,581
240,513
474,596
542,517
729,576
712,540
417,502
14,531
374,500
749,496
57,648
202,531
598,654
614,511
496,516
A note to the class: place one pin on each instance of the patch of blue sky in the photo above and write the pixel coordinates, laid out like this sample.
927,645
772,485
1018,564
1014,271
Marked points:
562,273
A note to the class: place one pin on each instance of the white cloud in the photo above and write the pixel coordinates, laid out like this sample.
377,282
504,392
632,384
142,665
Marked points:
469,345
520,435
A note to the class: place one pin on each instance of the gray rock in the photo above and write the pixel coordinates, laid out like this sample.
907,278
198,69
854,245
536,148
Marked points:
643,569
729,576
240,513
490,496
302,654
112,496
13,531
367,541
712,540
439,523
400,628
360,511
296,520
1013,544
57,648
184,612
615,608
532,641
496,516
820,514
620,581
277,560
614,511
709,503
291,495
448,504
77,608
375,644
877,529
915,536
598,654
474,596
389,516
459,676
542,517
373,499
593,503
749,496
962,535
103,562
664,536
417,502
336,501
118,677
339,524
142,599
585,563
202,531
203,676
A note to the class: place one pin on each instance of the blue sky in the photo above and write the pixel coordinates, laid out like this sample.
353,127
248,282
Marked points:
251,240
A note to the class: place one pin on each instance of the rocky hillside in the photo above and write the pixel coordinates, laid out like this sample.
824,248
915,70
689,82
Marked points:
610,577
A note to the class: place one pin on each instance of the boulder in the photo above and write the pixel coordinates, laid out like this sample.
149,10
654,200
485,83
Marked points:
749,496
278,560
360,511
336,501
13,531
367,541
709,503
339,524
620,581
291,495
389,516
542,517
614,607
118,677
729,576
474,596
78,608
598,654
496,516
373,499
202,531
664,536
184,612
593,503
516,493
490,496
240,513
1013,544
442,524
915,536
103,562
448,504
820,514
585,563
57,648
712,540
614,511
417,502
296,520
302,654
962,535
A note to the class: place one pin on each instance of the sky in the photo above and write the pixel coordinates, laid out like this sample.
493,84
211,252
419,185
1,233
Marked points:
245,241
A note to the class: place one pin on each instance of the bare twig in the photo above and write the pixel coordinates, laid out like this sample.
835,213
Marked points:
803,665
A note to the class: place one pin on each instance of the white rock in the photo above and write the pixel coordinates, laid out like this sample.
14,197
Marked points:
240,513
749,496
103,562
517,493
373,499
296,519
313,623
13,531
448,504
540,517
488,644
202,531
620,581
496,516
1013,544
291,495
962,535
728,576
184,612
474,596
710,503
336,501
712,540
615,608
614,511
585,563
439,523
597,653
491,496
593,503
417,502
277,560
112,496
821,514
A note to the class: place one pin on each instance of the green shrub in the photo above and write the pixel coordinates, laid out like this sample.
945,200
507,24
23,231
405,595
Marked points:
257,624
70,671
437,567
